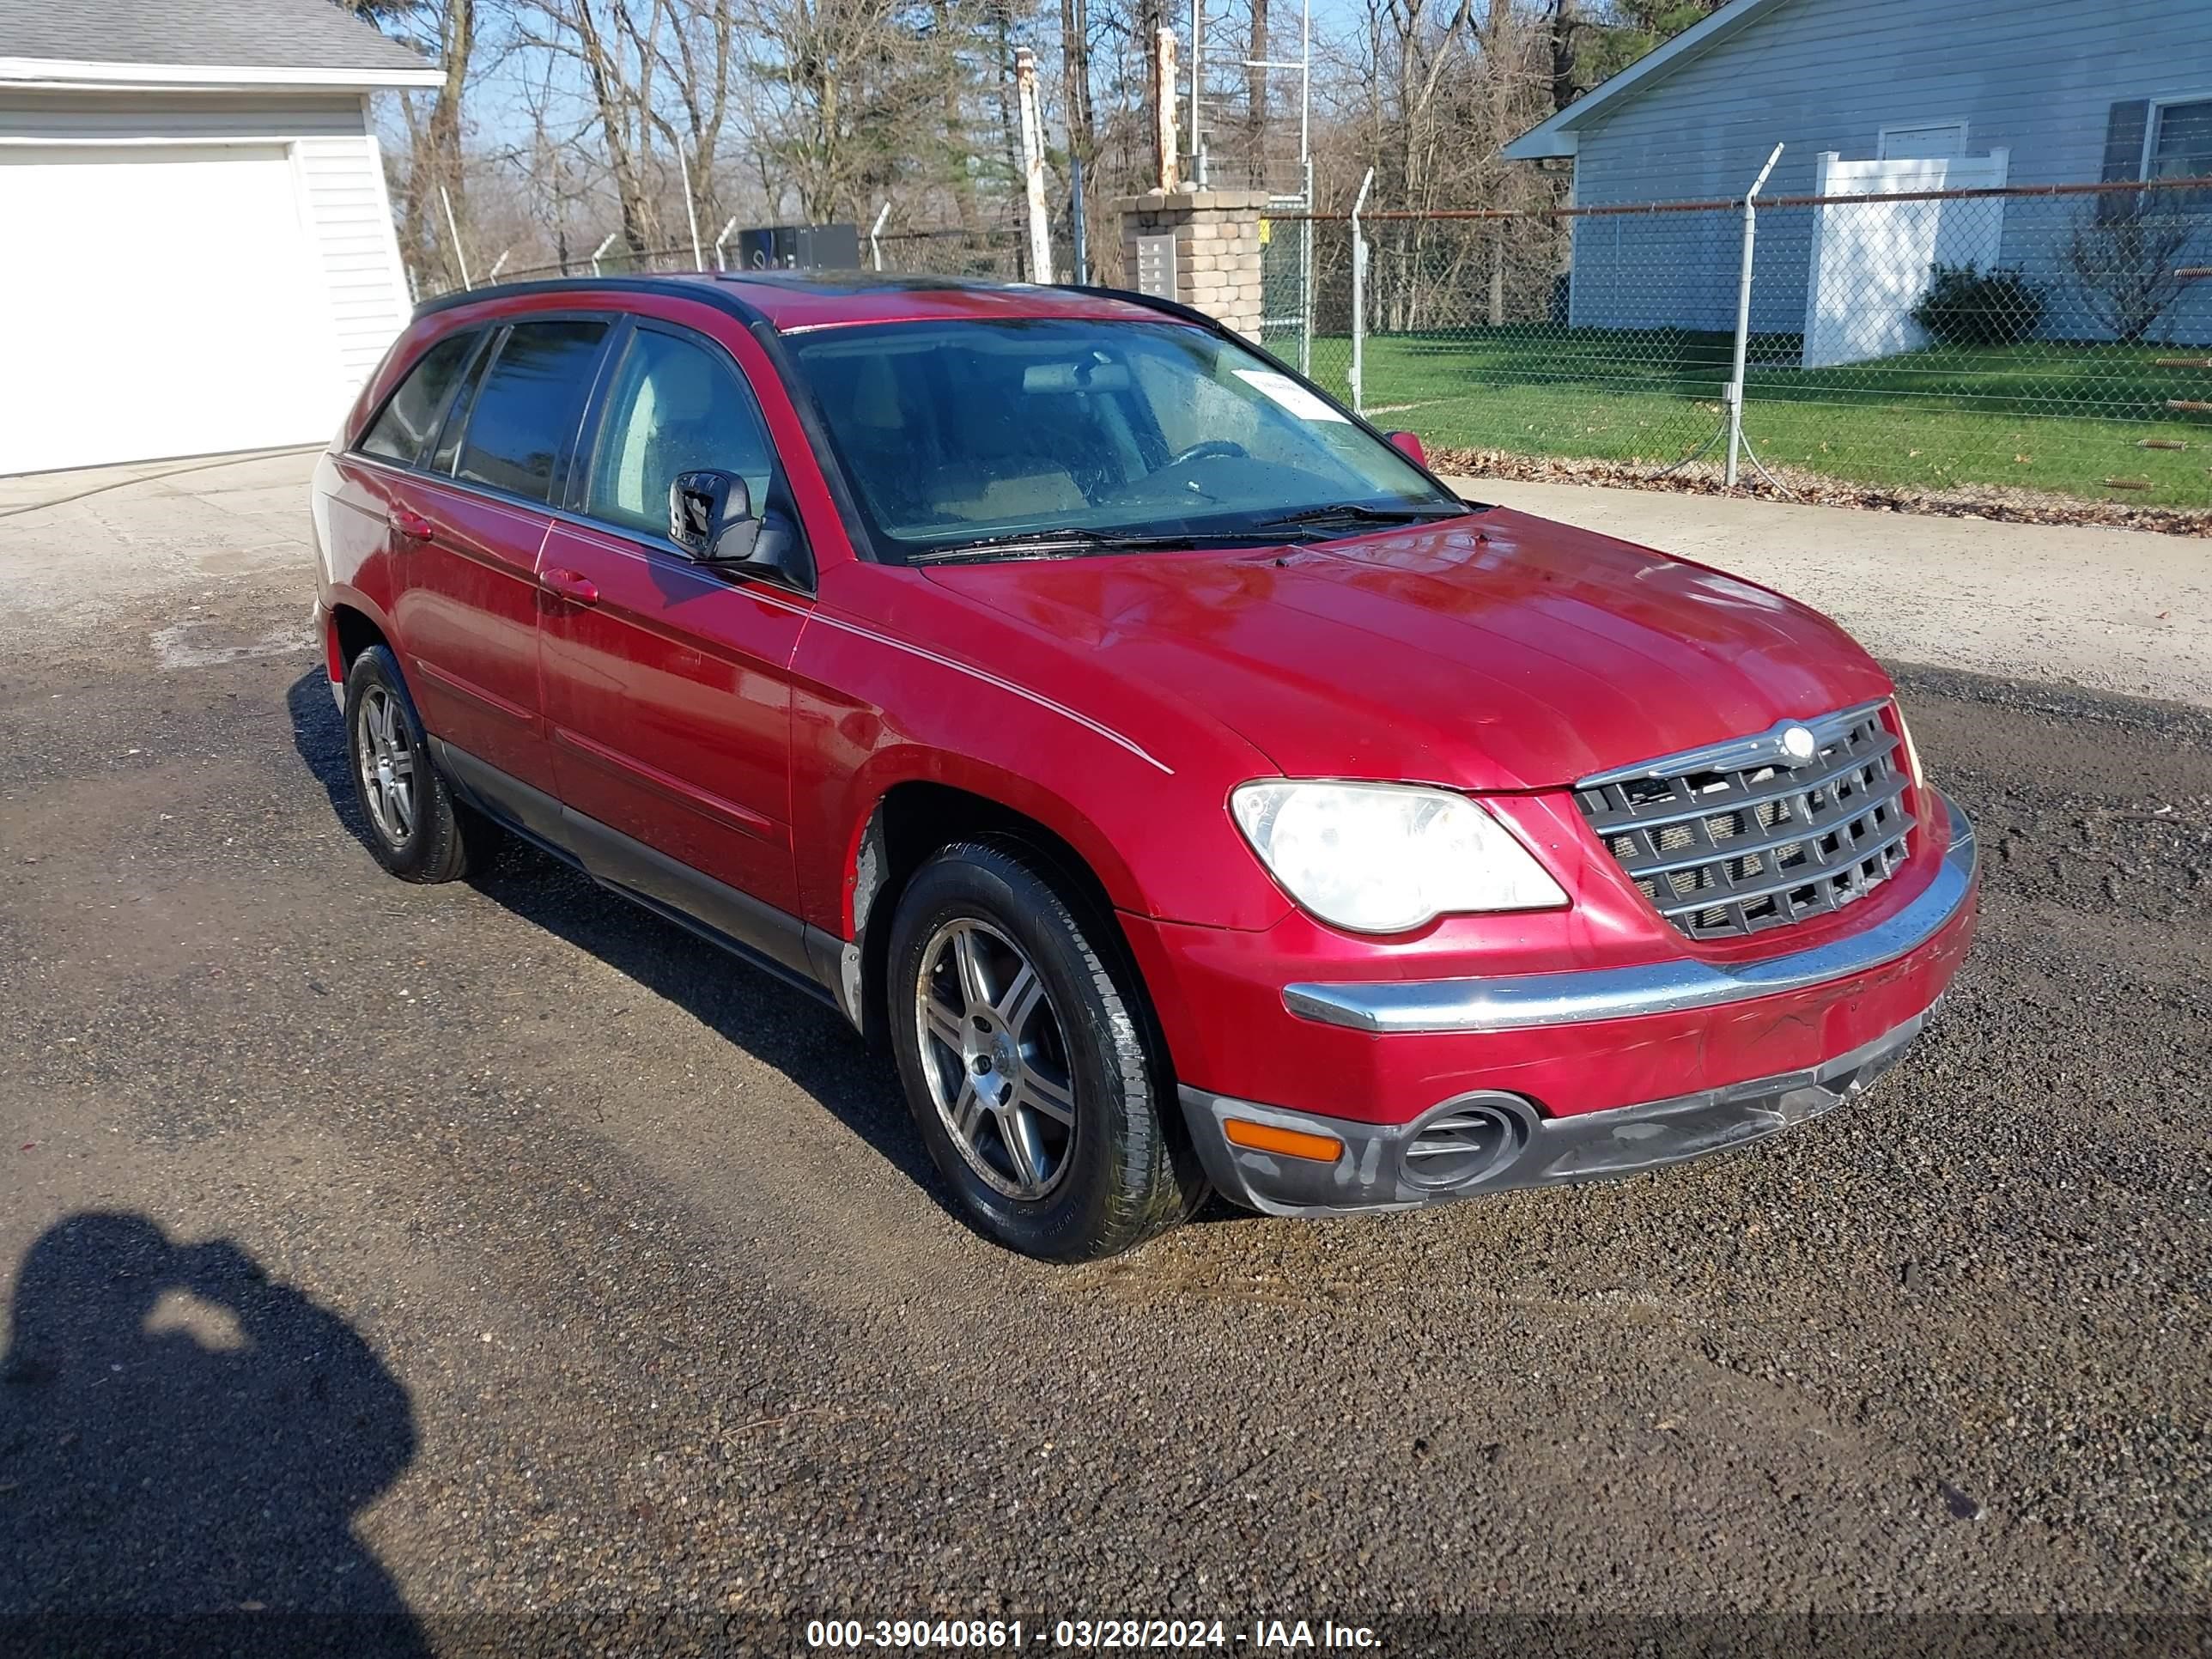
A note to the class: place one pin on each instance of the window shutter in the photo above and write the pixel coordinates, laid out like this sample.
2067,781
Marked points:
2126,129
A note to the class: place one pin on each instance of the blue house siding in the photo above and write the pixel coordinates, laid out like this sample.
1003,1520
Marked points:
2036,77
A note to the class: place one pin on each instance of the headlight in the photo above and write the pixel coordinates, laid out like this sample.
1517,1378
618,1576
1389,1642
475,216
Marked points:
1381,858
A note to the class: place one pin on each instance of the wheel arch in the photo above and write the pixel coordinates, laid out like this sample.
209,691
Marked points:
914,818
351,624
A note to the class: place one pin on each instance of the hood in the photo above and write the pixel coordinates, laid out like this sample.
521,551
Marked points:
1499,650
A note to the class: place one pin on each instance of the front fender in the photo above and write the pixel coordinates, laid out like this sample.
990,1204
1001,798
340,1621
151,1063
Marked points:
1147,810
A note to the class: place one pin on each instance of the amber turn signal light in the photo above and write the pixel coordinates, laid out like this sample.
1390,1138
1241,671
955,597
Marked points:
1291,1142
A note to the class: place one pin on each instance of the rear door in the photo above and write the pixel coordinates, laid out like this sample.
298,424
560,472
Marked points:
467,531
667,689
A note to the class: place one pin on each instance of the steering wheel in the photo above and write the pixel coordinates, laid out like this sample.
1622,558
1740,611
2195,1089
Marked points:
1212,449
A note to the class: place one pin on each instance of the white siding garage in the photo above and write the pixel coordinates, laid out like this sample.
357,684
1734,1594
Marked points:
216,335
201,256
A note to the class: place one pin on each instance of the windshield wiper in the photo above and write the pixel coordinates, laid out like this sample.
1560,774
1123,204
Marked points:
1065,544
1346,513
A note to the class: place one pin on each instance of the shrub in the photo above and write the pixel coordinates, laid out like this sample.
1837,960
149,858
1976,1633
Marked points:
1970,307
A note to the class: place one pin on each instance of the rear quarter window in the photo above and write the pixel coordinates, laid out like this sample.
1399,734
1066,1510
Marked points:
527,406
410,417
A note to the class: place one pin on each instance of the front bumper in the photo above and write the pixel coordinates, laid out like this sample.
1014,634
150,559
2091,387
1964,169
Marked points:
1537,1068
1382,1164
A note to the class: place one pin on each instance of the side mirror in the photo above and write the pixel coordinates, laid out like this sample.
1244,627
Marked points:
1409,445
711,517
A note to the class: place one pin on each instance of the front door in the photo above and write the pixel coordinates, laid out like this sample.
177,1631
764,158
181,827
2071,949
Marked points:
666,681
465,546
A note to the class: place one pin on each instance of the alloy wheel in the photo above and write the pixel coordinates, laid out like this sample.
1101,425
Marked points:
995,1057
387,760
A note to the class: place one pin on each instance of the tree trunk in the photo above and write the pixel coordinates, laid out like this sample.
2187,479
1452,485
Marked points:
958,143
1075,52
1565,22
435,160
1497,64
1256,99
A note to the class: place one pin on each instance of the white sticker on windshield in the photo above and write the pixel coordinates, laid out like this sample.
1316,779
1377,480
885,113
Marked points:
1289,393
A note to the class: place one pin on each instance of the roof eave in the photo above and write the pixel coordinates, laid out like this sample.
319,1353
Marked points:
63,75
1546,137
1541,144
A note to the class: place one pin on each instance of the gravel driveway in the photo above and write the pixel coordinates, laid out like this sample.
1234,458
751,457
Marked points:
497,1262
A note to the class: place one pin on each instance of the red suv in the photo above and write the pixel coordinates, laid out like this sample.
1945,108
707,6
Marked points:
1189,787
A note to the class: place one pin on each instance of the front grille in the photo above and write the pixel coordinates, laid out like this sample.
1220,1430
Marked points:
1730,841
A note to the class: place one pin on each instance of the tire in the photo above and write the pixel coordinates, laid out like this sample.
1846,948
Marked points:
417,829
1118,1171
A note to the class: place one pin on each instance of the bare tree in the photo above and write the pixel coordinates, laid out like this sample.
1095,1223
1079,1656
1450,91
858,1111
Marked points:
2125,254
444,30
851,98
615,45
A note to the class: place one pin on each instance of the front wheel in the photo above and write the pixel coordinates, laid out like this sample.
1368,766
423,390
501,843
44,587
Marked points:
1027,1062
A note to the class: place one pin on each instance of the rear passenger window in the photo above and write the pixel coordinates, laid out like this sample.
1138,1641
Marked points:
412,416
528,405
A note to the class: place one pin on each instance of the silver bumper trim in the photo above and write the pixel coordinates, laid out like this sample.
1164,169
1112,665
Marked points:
1518,1002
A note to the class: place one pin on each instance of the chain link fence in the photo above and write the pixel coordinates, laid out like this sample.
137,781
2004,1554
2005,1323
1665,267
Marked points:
2055,339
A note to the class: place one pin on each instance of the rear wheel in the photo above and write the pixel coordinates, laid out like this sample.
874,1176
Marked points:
417,829
1026,1061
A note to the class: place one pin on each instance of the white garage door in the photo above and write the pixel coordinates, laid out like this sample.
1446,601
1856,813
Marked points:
160,302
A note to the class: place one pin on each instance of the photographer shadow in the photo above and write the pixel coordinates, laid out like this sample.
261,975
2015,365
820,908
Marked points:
183,1444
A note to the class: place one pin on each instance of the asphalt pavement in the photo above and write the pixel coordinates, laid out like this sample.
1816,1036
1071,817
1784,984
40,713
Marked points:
494,1265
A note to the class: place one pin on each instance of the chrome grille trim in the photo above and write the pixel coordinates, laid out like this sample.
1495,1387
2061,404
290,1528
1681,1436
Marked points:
1733,838
1735,753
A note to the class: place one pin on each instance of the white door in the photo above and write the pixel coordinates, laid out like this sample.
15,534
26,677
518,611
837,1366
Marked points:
1871,257
161,302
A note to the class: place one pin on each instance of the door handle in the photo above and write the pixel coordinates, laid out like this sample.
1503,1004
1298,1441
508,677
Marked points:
409,525
569,585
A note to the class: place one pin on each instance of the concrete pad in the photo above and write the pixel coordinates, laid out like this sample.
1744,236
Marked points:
2120,611
81,551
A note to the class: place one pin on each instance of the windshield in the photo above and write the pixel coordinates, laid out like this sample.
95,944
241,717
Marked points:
1049,435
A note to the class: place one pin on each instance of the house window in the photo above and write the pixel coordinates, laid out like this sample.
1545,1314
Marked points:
2150,140
2180,145
1924,141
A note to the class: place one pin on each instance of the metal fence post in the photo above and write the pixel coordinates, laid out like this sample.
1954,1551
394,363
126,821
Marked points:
1359,294
1734,393
721,242
599,252
460,255
1306,275
690,210
875,233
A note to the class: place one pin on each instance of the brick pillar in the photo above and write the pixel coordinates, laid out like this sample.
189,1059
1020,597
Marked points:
1216,250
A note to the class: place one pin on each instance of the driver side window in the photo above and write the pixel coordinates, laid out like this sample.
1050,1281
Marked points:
677,406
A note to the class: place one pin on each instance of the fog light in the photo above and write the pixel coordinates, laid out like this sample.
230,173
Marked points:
1291,1142
1460,1146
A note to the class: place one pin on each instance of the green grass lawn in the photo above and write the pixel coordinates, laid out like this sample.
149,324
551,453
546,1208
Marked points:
2045,415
